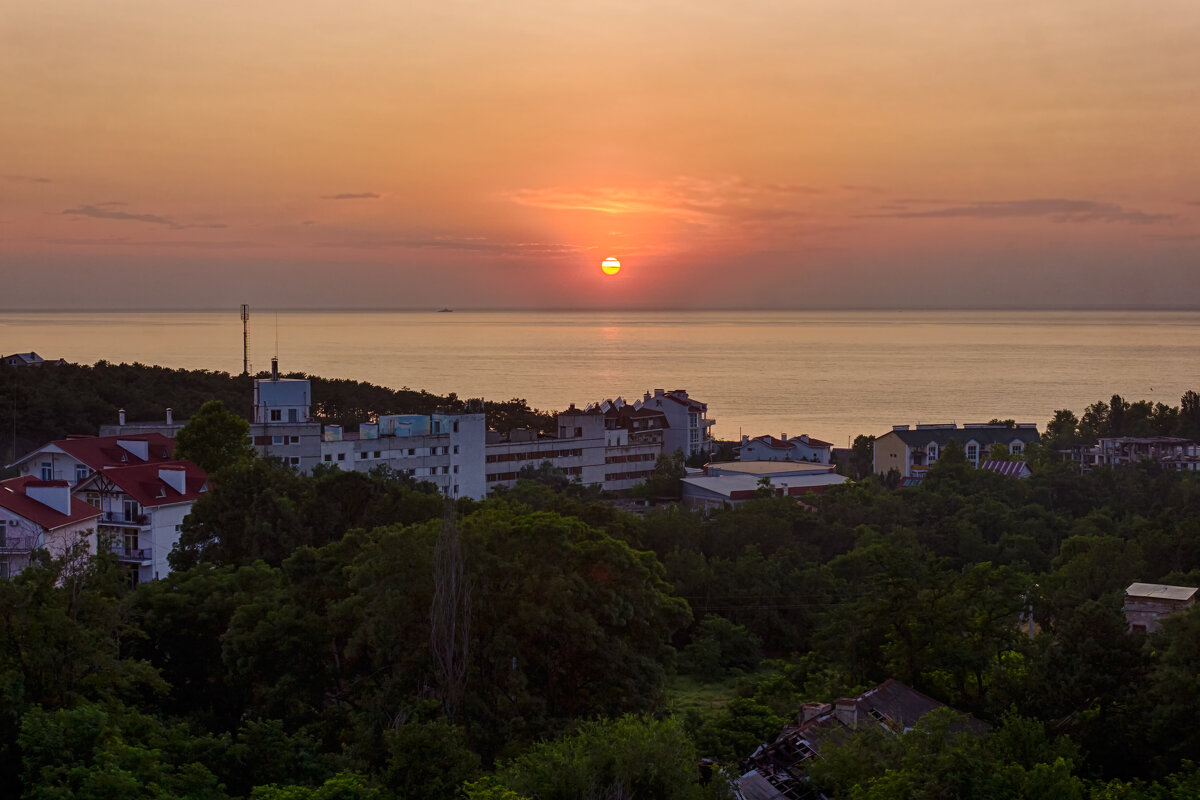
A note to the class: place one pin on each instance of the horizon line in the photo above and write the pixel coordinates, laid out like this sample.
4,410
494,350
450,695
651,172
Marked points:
592,309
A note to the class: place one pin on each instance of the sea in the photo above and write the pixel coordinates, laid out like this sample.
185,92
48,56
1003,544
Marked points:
829,374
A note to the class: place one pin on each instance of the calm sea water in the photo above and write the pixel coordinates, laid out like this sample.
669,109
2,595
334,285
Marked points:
829,374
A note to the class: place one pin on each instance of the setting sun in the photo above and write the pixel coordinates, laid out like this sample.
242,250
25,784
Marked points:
611,266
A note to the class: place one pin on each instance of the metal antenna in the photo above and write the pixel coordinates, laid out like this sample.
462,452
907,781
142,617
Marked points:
245,339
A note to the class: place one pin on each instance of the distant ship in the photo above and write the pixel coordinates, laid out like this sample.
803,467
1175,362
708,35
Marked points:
445,310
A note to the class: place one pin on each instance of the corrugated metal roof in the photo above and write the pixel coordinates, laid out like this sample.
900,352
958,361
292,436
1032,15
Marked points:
1160,591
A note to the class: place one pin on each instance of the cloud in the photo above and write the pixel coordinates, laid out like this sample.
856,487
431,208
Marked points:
26,179
105,211
351,196
169,243
694,200
469,245
1054,209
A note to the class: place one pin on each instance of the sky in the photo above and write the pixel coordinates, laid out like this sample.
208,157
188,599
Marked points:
761,154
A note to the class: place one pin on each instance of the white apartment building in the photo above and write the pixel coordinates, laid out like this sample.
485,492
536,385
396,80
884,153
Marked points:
283,426
443,449
797,448
687,421
142,508
76,458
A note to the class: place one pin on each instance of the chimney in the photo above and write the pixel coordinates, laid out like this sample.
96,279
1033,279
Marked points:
810,711
745,439
660,392
783,437
846,710
175,477
52,494
170,416
121,417
274,368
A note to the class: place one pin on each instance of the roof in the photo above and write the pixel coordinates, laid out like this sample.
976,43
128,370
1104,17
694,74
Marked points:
742,486
14,499
786,444
772,468
99,452
778,767
1009,469
944,434
142,483
1161,591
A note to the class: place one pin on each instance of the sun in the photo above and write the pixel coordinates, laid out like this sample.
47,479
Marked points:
611,266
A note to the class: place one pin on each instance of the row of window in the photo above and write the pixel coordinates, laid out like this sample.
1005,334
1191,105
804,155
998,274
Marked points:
47,471
364,454
492,477
630,458
628,476
531,455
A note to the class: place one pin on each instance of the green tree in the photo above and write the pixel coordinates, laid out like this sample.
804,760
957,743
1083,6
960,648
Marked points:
215,439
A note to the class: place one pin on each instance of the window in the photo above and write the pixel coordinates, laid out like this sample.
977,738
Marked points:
294,461
81,472
278,440
412,452
362,455
3,534
293,415
329,457
456,431
93,499
456,469
433,470
294,439
377,454
132,510
341,456
972,452
1015,447
47,471
276,415
456,485
455,449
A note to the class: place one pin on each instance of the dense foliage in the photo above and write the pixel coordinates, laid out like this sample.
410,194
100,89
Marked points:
307,645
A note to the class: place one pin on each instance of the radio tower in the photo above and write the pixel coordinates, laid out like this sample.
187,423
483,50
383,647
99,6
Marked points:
245,339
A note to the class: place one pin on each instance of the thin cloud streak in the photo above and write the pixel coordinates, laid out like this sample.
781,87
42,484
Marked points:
170,243
105,211
468,245
352,196
26,179
1055,209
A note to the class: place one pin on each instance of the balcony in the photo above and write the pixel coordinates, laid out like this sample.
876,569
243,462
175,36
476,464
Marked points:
118,518
135,555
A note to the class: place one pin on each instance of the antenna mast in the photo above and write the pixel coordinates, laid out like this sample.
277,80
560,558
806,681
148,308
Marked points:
245,339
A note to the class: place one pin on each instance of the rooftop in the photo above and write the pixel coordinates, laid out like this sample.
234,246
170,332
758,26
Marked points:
1160,591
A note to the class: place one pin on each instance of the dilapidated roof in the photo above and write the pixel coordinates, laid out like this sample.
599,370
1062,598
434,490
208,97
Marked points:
1161,591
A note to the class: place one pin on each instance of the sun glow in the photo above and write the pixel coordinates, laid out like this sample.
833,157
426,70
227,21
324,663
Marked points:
611,266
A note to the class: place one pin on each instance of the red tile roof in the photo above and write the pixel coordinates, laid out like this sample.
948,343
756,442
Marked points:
14,499
771,441
99,452
143,484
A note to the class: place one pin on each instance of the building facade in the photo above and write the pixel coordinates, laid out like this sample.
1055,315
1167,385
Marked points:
688,425
37,514
797,448
76,458
911,451
142,509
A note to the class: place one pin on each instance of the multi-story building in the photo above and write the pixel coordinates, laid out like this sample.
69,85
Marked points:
1169,452
687,421
797,448
911,451
586,449
443,449
142,508
37,514
76,458
282,424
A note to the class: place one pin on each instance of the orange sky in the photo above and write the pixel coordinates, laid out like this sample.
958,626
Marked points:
473,154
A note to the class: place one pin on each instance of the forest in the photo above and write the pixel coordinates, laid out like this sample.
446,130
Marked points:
351,635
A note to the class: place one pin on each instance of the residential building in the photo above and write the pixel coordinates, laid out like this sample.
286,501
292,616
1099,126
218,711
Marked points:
797,448
37,514
443,449
687,421
911,451
734,482
778,770
282,424
1169,452
29,359
75,458
590,447
142,508
1148,604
